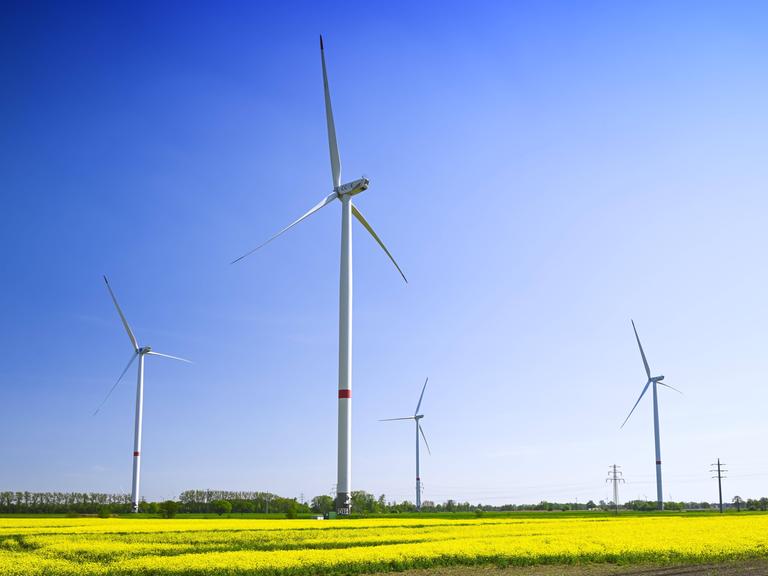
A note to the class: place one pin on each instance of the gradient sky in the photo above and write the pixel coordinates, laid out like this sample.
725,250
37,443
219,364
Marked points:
542,171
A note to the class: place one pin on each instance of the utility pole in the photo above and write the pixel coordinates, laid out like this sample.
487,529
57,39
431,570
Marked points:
718,470
614,475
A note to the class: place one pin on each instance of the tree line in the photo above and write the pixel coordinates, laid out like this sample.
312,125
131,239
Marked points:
215,501
228,502
62,502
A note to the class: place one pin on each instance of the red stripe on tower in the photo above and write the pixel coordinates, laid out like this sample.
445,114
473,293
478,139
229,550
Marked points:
658,461
135,453
345,393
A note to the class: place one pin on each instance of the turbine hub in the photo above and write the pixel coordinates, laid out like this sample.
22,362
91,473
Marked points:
352,188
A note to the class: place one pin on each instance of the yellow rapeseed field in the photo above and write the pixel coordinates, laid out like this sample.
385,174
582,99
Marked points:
90,546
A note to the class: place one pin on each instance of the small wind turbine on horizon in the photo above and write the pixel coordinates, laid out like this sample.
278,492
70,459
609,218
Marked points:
343,193
138,352
416,417
652,380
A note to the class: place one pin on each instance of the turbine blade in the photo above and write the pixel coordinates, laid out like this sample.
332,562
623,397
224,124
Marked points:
636,403
133,357
309,213
122,317
420,397
392,419
671,387
335,162
152,353
645,362
424,436
367,226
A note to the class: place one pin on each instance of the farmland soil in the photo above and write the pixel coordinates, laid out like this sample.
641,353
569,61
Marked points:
740,568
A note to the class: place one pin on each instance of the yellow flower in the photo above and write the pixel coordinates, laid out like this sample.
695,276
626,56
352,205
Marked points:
48,546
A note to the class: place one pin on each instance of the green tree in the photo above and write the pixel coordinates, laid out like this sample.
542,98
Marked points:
222,507
169,508
243,506
363,502
322,504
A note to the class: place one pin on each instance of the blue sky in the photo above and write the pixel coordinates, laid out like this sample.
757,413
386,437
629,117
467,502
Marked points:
543,172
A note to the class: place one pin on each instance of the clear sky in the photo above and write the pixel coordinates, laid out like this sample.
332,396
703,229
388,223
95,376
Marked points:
543,172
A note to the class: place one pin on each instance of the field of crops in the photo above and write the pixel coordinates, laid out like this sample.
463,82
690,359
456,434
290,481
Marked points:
34,546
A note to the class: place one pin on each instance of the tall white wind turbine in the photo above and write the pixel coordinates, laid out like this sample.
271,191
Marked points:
138,352
416,417
652,380
343,193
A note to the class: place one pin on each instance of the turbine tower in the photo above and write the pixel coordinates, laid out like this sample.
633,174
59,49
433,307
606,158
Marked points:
416,417
343,193
652,380
138,352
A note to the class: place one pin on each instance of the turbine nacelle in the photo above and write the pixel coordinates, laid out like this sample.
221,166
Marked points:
657,379
352,188
145,350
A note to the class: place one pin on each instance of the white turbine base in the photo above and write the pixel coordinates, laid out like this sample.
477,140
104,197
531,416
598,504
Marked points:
135,496
344,465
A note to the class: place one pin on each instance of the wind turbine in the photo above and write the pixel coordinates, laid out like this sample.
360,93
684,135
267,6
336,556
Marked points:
138,352
416,417
652,380
344,193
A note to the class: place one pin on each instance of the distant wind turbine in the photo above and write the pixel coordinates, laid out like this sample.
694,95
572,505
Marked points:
138,352
416,417
652,380
344,193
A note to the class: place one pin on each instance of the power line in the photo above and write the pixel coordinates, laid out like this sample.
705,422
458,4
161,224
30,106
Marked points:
719,475
614,475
